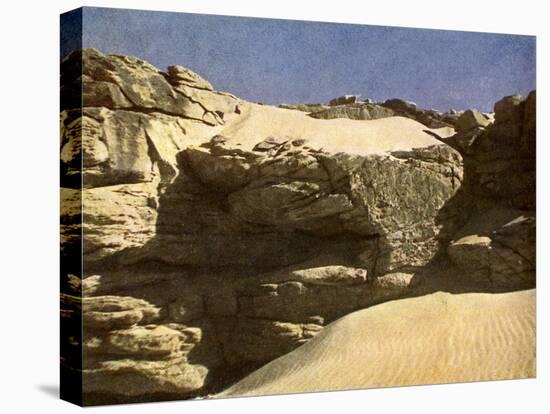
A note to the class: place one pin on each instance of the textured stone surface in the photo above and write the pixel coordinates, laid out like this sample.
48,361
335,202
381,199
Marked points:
500,157
470,119
429,117
305,107
115,312
116,82
357,111
342,100
219,234
504,255
470,252
178,74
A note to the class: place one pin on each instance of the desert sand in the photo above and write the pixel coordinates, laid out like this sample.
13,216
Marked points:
335,135
438,338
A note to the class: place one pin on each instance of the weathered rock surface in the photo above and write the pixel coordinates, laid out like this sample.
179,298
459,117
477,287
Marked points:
343,100
359,111
502,255
124,82
471,119
500,157
219,234
350,107
305,107
116,312
429,117
143,360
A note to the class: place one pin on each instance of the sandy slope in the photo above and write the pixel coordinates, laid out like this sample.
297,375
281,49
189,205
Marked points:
258,122
436,338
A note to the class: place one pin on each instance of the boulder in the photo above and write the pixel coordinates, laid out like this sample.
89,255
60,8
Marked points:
178,74
428,117
470,252
470,119
401,105
343,100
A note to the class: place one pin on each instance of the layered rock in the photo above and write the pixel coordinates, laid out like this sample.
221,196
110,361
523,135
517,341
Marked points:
127,353
349,106
124,82
218,234
305,107
359,111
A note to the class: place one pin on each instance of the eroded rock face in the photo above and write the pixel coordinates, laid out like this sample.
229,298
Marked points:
351,108
504,256
360,111
218,235
143,360
343,100
305,107
429,117
471,119
124,82
500,156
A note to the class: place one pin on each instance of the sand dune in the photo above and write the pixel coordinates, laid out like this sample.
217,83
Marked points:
437,338
336,135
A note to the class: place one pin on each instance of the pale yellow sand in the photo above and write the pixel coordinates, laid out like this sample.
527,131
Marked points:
258,122
437,338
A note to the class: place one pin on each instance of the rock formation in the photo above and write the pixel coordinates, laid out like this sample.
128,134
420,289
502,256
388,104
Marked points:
218,235
349,106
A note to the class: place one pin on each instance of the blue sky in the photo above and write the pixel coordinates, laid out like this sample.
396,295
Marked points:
283,61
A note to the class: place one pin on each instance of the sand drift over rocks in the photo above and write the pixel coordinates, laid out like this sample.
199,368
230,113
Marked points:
218,235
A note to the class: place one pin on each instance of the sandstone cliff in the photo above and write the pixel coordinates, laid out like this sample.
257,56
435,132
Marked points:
219,234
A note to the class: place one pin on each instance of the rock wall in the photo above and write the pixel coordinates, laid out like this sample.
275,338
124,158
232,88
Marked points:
500,156
218,234
498,246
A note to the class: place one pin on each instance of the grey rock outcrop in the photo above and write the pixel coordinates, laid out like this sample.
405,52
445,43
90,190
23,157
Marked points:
502,255
305,107
429,117
500,157
471,119
351,108
359,111
343,100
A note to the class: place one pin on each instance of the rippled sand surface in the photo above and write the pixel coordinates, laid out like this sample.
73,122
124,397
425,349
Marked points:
437,338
